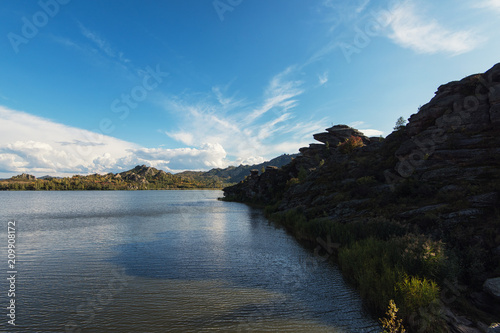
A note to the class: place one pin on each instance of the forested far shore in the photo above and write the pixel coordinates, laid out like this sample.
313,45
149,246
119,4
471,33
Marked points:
132,181
142,177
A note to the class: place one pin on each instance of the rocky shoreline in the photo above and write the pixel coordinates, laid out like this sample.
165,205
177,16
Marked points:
435,181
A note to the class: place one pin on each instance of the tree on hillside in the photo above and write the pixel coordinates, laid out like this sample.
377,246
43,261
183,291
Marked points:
400,123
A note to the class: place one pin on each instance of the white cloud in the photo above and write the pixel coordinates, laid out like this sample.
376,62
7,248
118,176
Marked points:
39,146
493,5
208,156
371,132
361,126
34,144
323,78
250,160
411,30
291,147
184,137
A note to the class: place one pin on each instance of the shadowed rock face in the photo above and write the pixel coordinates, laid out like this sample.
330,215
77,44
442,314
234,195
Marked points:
440,173
492,286
455,135
457,129
471,104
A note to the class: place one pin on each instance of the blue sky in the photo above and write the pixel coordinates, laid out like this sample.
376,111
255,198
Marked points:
101,86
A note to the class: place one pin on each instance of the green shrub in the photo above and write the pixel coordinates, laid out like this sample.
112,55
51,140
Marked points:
350,144
348,233
420,304
370,265
293,219
416,293
376,268
384,262
425,257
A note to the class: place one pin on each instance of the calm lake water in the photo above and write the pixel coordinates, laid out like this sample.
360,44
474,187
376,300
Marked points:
164,261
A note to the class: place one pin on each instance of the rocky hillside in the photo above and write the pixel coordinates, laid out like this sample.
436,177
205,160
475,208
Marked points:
430,189
141,177
235,174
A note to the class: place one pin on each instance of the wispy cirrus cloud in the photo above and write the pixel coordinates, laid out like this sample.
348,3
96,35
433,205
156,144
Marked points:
279,95
340,19
410,29
227,102
102,44
248,134
362,6
98,50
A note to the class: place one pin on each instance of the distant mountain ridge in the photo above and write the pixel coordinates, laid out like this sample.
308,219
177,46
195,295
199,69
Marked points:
234,174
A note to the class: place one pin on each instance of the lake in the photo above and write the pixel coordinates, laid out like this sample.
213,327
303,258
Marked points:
164,261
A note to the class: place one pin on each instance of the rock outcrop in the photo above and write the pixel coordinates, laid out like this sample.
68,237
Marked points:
24,176
456,132
492,287
451,145
439,175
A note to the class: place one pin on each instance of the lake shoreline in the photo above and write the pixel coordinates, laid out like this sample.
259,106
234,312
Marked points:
195,262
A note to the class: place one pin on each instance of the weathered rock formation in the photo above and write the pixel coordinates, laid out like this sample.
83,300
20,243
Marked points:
24,176
451,145
440,174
